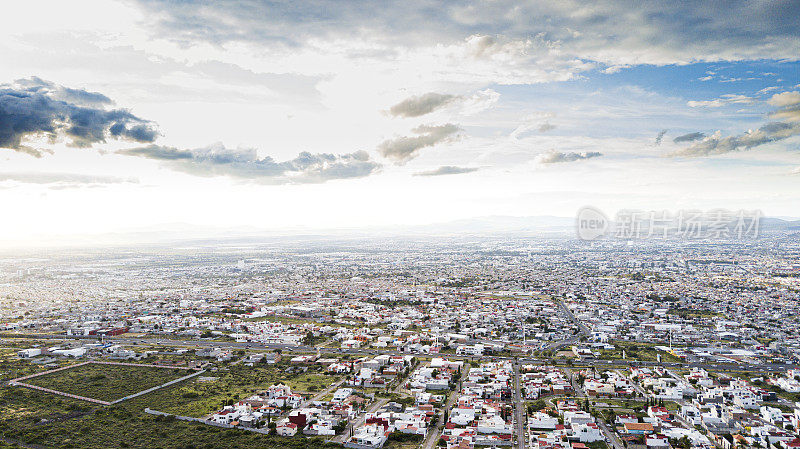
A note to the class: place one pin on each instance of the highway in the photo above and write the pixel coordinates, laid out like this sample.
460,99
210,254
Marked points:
194,344
584,331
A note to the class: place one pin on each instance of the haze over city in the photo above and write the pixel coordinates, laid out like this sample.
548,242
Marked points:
134,115
249,224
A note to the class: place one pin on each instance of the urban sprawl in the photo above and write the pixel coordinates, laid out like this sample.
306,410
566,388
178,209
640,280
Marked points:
463,342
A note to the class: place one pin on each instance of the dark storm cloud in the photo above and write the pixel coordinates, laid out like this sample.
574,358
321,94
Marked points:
690,137
216,160
660,31
447,170
403,149
35,107
421,105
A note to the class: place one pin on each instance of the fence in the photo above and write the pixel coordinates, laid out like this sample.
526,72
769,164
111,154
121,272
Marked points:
172,382
69,395
205,421
19,381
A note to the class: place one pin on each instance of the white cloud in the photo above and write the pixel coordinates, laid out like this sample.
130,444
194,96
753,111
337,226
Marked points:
722,101
785,99
554,157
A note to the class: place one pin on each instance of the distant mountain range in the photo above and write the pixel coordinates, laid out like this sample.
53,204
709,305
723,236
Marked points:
540,226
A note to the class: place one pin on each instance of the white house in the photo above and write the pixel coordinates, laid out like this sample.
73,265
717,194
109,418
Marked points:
587,433
28,353
286,429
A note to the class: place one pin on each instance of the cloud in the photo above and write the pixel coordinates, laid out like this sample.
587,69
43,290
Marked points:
785,99
716,144
554,157
608,31
403,149
63,180
788,114
447,170
722,101
533,122
789,103
690,137
660,137
69,95
421,105
34,107
546,126
479,101
216,160
417,106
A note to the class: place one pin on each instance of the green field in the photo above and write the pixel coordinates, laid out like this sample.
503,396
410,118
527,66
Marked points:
637,351
38,418
311,382
106,382
198,398
71,425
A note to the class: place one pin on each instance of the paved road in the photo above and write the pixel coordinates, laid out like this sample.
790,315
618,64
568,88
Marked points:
366,352
610,434
360,422
519,408
433,434
635,384
584,331
371,409
575,385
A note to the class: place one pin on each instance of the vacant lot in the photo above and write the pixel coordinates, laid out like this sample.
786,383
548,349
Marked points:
198,398
106,382
35,417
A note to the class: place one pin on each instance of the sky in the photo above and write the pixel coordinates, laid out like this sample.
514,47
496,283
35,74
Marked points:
130,115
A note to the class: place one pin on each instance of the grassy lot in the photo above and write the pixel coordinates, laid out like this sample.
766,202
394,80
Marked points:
791,397
618,403
31,406
197,398
637,351
106,382
11,367
312,382
76,424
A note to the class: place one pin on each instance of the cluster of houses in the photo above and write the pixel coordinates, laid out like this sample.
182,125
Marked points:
429,386
483,412
538,381
379,371
606,384
439,375
254,410
566,426
108,350
392,417
289,414
714,411
789,383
